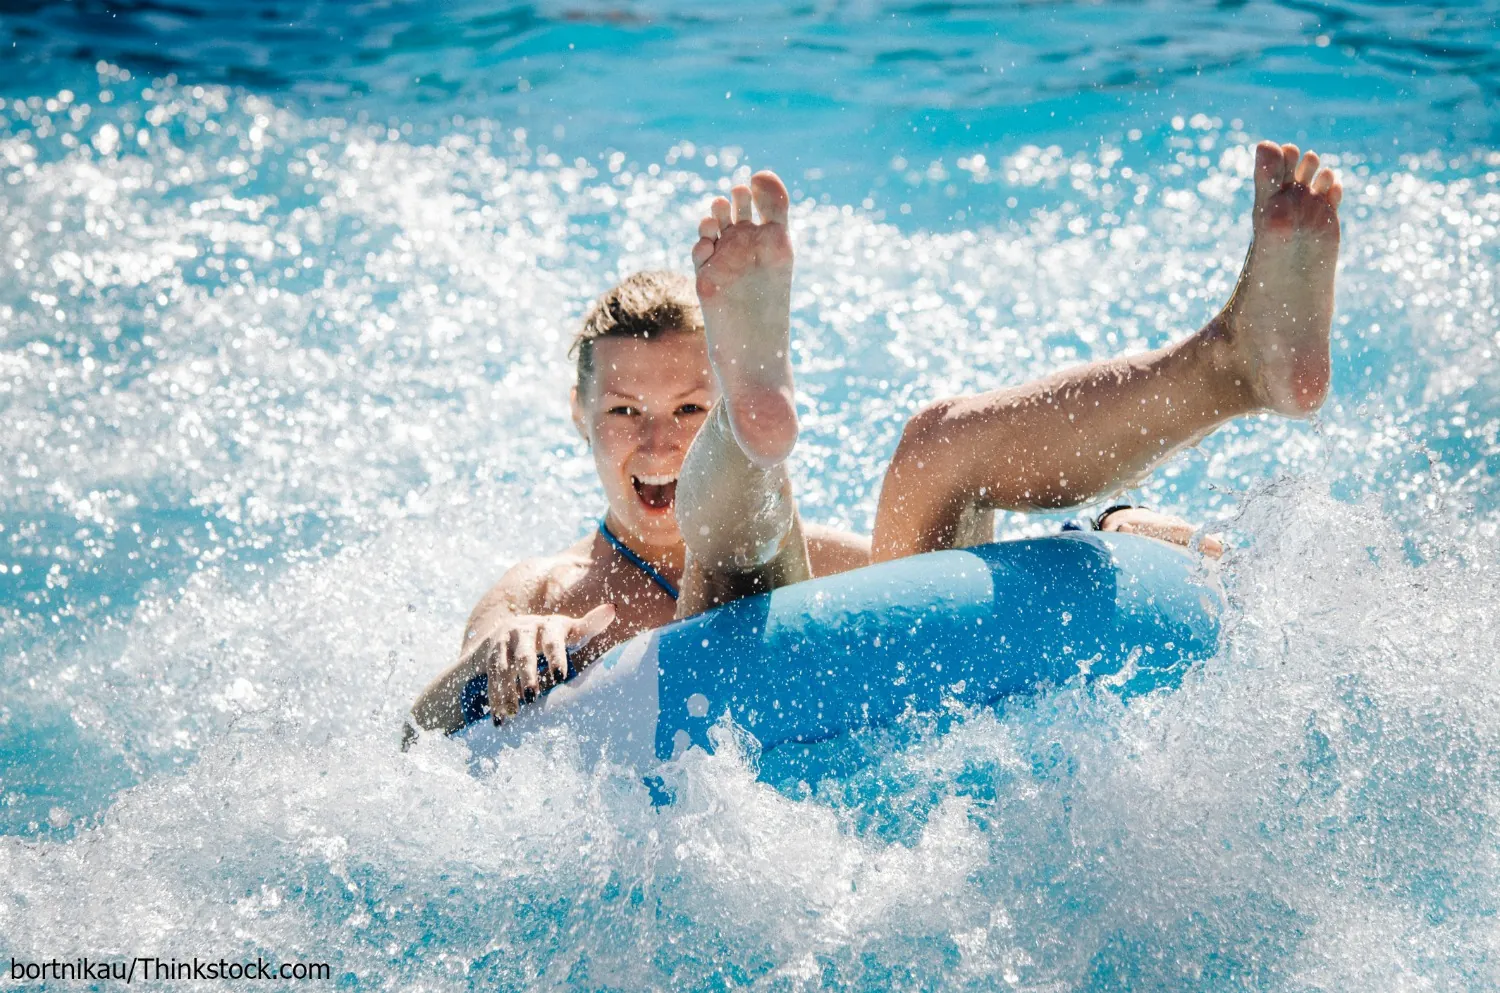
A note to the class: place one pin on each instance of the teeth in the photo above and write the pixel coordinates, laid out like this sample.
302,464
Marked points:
655,480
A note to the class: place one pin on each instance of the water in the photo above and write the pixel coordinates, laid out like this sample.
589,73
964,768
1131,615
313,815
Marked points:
282,380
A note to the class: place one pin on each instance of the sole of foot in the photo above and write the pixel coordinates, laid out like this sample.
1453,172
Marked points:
744,270
1279,317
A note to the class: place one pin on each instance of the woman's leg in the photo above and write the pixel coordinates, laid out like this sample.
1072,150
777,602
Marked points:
1086,432
739,522
734,500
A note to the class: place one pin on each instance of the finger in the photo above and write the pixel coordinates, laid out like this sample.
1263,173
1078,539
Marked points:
1176,534
1143,517
741,197
722,212
703,250
510,681
553,642
531,665
1155,518
709,228
1307,168
1147,525
1162,527
770,196
510,695
491,686
1118,520
521,649
590,625
496,667
523,656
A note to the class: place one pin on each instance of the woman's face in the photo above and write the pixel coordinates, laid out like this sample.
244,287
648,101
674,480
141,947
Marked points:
640,411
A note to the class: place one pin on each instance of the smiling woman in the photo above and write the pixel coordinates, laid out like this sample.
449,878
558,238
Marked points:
690,417
644,389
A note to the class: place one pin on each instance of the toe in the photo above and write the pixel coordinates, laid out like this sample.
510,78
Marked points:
722,212
771,200
702,250
1268,167
741,197
1306,168
1289,156
1335,194
708,228
1322,182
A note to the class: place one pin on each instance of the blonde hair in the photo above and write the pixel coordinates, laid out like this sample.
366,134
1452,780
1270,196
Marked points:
644,305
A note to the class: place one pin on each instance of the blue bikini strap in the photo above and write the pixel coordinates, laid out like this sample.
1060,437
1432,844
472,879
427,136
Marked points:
637,561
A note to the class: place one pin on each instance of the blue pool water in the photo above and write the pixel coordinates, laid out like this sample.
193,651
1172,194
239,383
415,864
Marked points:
282,383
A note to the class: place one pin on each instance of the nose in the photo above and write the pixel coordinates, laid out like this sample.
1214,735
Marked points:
663,432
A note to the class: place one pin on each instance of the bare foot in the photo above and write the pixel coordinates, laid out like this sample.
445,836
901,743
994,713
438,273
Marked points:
1278,317
745,287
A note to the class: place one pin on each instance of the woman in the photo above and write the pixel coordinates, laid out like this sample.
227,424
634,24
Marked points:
690,416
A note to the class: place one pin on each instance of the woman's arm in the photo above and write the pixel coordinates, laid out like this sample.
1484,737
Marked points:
440,705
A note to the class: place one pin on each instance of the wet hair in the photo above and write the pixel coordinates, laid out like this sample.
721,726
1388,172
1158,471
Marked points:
645,305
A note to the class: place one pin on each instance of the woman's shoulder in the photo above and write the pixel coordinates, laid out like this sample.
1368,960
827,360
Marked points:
537,585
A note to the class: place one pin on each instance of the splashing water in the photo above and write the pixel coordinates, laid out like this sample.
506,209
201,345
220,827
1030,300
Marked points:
285,393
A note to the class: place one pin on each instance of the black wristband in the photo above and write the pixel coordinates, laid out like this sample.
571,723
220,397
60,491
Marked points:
1099,521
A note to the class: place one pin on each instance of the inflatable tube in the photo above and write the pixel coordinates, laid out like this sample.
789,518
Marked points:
812,661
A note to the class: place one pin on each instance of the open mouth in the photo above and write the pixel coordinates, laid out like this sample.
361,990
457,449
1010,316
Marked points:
656,492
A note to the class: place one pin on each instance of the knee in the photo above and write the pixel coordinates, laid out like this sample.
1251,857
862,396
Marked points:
927,436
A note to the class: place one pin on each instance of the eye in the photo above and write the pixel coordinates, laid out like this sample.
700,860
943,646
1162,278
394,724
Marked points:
688,409
622,411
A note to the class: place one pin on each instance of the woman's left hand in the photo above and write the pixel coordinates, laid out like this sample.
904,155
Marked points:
1165,527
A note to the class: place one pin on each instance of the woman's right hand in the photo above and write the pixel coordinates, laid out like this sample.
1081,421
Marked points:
514,650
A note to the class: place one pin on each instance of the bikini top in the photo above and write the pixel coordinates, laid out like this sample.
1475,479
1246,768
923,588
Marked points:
637,561
666,584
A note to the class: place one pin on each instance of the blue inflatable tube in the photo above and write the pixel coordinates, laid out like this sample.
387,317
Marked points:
812,661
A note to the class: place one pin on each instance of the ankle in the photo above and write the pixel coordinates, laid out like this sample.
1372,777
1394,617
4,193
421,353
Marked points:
1220,364
763,422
